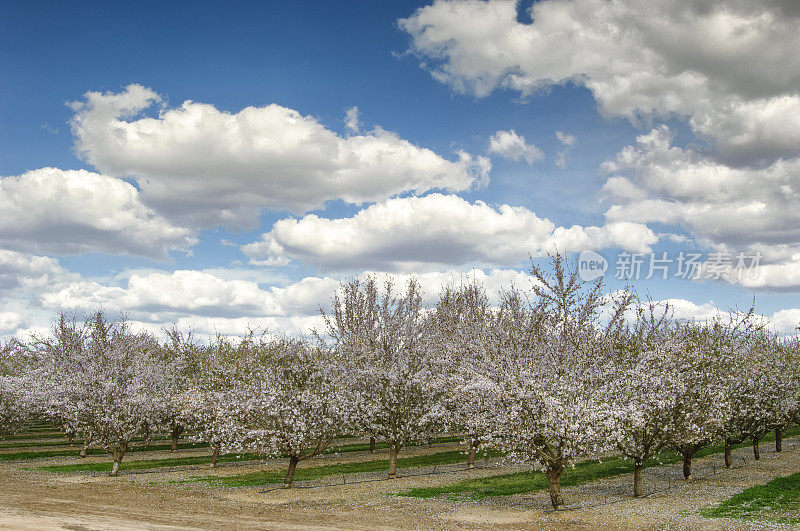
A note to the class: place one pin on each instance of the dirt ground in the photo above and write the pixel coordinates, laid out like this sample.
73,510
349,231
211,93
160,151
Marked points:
37,500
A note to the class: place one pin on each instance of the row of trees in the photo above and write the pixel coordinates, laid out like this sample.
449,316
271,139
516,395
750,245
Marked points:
549,375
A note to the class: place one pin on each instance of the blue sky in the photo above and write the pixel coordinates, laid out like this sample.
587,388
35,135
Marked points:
441,78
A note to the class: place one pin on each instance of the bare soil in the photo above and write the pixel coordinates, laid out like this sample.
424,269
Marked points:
32,499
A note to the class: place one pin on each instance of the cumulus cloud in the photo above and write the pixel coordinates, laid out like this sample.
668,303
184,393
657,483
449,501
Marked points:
234,301
218,301
787,321
432,231
20,270
510,145
206,167
55,211
729,209
10,322
730,67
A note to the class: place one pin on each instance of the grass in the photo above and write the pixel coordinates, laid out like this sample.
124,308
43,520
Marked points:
584,472
182,461
63,442
147,463
74,451
154,463
776,502
302,474
36,435
521,482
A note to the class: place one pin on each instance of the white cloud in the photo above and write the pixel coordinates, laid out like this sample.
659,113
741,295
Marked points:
24,271
351,120
787,321
728,66
231,301
10,322
725,208
566,139
510,145
562,156
205,167
429,232
213,301
55,211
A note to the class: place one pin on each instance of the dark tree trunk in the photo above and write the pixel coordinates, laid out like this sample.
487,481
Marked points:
293,460
687,465
728,460
554,476
177,429
215,455
637,478
756,449
473,451
372,445
687,451
778,440
392,460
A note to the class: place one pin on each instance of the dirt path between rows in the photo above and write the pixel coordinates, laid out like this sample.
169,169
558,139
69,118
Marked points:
35,500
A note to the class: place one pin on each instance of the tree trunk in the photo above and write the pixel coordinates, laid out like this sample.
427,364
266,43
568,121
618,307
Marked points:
473,451
84,449
177,429
637,478
392,460
554,476
756,449
293,460
687,466
71,439
119,453
372,445
728,459
778,440
215,455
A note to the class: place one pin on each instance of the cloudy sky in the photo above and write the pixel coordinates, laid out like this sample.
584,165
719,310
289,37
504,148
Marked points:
222,165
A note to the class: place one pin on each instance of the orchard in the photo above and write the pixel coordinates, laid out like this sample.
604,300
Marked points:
551,375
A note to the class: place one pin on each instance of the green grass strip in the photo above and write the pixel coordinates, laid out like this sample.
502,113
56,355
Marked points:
27,435
33,454
38,444
148,463
775,502
584,472
303,474
74,450
177,461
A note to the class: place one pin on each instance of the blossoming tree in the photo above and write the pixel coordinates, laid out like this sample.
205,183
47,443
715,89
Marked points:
108,381
380,336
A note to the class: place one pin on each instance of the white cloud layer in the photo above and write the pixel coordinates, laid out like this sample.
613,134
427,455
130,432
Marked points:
25,271
510,145
210,303
730,67
433,231
53,211
727,208
206,167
